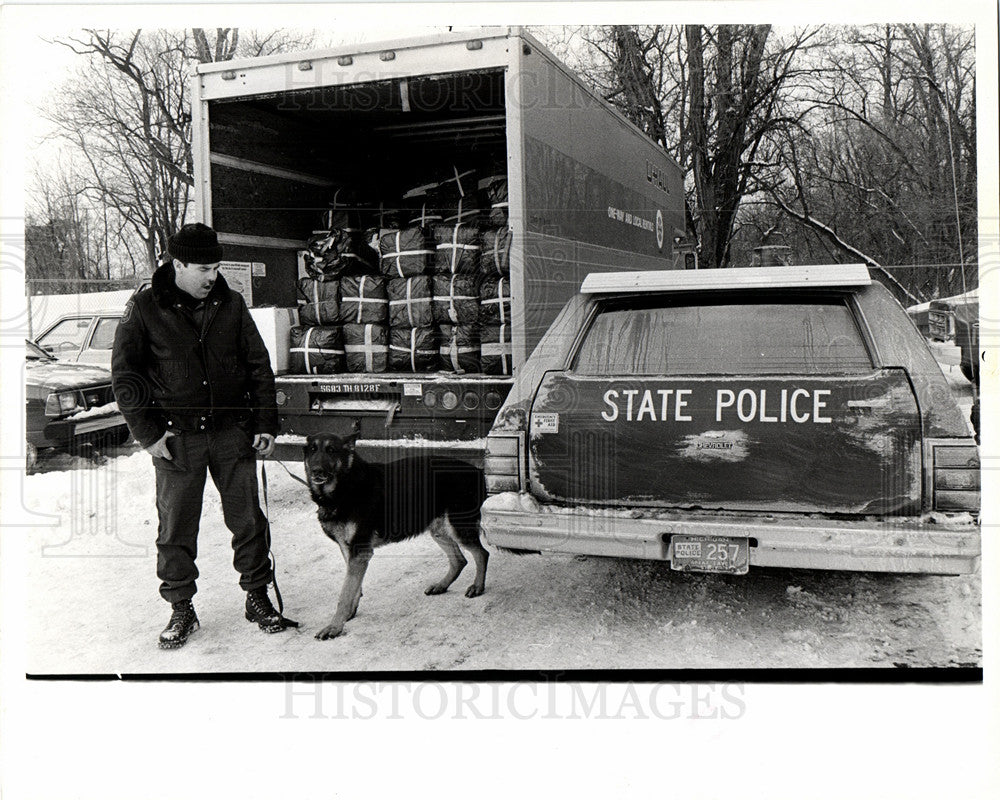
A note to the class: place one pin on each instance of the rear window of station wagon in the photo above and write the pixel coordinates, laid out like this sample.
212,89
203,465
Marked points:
699,335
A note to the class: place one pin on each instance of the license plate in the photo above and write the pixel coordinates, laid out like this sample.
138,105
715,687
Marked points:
349,388
725,554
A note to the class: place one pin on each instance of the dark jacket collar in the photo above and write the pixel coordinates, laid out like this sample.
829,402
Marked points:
166,293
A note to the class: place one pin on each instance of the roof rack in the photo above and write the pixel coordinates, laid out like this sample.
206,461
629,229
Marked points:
818,275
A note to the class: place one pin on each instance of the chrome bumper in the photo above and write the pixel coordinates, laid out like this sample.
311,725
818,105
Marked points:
518,521
64,430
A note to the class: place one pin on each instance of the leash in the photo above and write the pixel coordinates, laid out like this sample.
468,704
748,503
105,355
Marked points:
290,473
270,553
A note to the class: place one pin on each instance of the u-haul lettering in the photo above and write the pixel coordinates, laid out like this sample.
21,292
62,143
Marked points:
788,405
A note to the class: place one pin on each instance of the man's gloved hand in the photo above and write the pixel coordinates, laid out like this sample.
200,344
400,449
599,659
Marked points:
263,443
159,447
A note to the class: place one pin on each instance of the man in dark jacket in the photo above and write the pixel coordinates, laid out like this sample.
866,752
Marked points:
193,380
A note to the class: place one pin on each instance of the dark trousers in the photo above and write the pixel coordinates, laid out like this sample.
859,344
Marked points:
227,454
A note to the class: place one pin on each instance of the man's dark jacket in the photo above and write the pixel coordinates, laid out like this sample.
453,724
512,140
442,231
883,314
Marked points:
169,374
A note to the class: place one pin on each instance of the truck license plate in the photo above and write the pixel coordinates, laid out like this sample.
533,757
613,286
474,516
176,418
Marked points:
725,554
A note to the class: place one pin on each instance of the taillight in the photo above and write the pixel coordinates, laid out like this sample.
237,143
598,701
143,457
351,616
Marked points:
503,462
955,477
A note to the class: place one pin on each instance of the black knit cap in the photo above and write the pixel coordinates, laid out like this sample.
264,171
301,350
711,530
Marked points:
195,244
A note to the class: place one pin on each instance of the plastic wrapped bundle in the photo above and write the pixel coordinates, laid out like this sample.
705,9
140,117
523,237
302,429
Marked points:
496,349
460,184
458,346
458,249
466,209
405,252
366,347
412,349
494,301
339,252
493,191
446,191
456,299
495,256
316,350
422,217
410,302
363,299
321,301
348,213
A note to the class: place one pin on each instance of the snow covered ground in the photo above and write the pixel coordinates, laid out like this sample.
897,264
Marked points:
93,605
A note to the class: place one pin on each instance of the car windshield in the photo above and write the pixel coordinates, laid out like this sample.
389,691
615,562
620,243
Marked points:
35,353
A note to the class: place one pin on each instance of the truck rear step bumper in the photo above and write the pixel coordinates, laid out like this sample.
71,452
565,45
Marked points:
906,546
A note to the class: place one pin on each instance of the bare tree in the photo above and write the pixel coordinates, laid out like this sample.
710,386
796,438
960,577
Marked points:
885,170
713,97
127,117
64,236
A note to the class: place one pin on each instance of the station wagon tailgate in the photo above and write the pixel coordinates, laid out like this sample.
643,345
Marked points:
767,404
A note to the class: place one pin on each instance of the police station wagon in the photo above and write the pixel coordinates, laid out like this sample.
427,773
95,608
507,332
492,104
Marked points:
724,419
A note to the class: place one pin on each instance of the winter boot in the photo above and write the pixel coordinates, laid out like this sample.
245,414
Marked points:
183,622
260,610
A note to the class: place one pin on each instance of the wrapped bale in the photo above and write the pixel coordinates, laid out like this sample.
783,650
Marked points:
465,210
349,213
459,185
316,350
412,349
363,299
338,252
321,301
423,217
494,301
494,258
366,347
496,349
456,299
457,248
405,253
391,218
410,302
458,346
445,191
493,193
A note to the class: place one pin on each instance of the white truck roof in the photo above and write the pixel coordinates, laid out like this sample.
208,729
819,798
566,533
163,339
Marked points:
812,276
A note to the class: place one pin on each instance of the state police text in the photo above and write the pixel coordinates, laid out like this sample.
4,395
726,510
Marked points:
794,405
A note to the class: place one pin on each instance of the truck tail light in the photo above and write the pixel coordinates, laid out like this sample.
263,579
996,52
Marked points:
504,462
955,477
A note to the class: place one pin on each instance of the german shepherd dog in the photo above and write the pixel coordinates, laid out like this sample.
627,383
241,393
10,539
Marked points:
364,505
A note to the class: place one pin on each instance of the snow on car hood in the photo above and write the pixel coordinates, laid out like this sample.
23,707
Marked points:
60,375
96,411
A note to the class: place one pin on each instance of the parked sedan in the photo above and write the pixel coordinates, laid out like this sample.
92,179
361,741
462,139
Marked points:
727,419
84,338
68,405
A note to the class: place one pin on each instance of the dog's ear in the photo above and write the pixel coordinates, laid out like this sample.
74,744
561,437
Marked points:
351,439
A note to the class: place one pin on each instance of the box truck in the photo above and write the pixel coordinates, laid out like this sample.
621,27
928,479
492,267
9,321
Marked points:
483,132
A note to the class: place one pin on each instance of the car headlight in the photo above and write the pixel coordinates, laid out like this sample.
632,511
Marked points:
58,404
